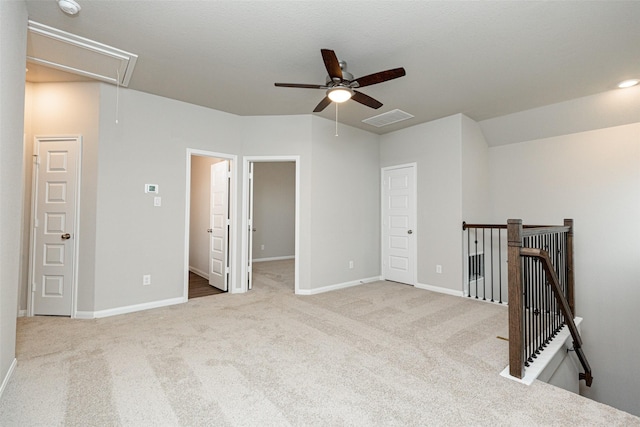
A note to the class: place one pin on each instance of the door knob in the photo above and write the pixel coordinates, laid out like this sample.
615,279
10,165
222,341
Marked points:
66,236
410,232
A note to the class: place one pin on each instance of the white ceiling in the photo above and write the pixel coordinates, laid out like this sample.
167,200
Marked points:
483,59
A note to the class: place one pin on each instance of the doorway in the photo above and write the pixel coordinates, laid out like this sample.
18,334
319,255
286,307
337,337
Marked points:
53,252
271,214
209,231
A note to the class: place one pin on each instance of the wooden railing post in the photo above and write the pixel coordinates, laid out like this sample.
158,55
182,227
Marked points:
516,330
570,277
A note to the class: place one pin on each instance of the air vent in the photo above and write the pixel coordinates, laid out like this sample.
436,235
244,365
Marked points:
74,54
384,119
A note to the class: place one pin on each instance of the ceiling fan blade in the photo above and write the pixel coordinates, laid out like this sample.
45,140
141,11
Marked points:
331,63
380,77
366,100
322,105
301,85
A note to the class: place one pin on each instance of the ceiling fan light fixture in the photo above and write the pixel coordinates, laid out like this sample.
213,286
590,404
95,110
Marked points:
70,7
340,94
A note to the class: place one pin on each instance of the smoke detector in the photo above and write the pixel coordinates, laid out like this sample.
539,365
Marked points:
70,7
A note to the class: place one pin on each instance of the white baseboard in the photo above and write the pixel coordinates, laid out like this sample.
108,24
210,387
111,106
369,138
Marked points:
275,258
337,286
128,309
84,315
22,313
199,272
440,290
7,377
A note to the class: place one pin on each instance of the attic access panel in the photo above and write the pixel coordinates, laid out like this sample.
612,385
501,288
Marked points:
74,54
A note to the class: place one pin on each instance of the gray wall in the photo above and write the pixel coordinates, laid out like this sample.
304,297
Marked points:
345,213
148,145
594,178
13,45
124,236
436,147
274,208
476,205
67,109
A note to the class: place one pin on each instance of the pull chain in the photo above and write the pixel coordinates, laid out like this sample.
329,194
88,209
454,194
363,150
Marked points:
117,94
336,118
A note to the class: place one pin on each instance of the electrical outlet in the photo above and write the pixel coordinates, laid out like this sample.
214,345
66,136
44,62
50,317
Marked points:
350,264
157,201
438,269
146,279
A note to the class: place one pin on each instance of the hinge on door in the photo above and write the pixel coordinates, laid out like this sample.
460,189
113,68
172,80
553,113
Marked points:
36,159
250,175
228,221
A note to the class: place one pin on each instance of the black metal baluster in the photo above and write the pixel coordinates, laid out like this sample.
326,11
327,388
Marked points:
485,273
481,265
475,259
527,311
468,263
500,261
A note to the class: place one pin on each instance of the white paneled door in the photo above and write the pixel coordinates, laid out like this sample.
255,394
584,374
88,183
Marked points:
219,226
399,224
54,235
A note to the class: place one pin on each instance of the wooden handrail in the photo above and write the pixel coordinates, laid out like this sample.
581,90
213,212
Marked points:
552,279
544,229
504,226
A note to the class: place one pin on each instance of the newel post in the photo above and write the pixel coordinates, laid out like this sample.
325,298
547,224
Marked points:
516,332
570,277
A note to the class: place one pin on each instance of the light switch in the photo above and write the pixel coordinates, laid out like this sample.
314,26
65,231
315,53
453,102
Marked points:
157,201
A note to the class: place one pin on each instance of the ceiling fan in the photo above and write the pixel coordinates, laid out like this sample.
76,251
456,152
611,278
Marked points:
341,85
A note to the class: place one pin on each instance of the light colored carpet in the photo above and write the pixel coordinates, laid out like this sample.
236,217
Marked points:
377,354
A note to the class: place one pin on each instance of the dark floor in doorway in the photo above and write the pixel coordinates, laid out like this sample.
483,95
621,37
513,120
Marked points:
199,287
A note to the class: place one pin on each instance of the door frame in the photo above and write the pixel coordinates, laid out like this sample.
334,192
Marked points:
233,205
245,216
76,225
413,242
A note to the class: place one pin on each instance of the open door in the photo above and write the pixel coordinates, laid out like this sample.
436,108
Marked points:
250,231
219,226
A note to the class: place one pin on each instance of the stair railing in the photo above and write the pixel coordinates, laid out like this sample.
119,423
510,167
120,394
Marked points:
540,292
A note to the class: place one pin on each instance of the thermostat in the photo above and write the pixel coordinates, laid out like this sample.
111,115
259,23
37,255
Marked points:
151,188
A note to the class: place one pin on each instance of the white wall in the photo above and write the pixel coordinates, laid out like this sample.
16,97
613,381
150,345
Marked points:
594,178
13,45
199,221
274,208
436,148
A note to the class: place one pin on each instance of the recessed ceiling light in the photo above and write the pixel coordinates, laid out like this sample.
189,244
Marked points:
628,83
70,7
